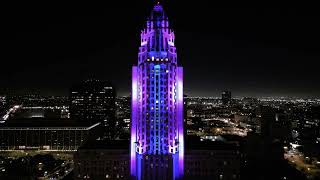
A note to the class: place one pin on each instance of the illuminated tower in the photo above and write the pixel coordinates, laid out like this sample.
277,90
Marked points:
157,145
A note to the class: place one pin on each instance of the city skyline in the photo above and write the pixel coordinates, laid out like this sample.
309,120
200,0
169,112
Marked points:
251,52
153,90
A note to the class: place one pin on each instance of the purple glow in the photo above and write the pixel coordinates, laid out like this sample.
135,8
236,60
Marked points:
133,121
180,119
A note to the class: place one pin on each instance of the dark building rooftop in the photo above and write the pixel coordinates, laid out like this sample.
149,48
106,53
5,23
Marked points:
106,144
45,122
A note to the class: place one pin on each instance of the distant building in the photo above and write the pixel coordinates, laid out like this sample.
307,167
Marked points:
93,101
123,115
274,125
249,101
44,134
226,97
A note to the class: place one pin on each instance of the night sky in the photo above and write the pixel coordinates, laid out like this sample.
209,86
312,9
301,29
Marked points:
250,51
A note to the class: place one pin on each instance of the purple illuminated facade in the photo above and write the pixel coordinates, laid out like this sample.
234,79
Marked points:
157,144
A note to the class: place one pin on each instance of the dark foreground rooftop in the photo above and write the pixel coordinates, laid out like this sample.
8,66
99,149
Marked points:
106,144
44,123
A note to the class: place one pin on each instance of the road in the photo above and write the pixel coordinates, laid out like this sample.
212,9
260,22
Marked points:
302,163
11,110
61,171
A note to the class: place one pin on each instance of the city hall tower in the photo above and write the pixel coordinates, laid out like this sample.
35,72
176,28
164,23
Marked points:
157,144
